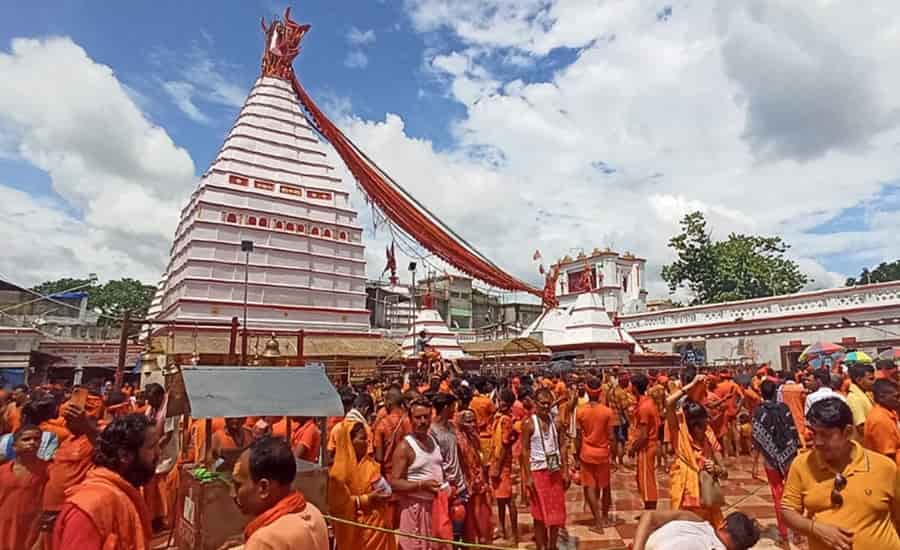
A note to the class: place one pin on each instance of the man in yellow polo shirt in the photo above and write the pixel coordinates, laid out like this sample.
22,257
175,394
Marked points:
841,495
861,379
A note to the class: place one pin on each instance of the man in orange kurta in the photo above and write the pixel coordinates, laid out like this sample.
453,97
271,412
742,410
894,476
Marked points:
234,436
484,410
306,439
729,394
503,440
478,525
14,409
21,486
106,510
595,433
658,392
621,401
72,460
390,430
882,434
645,446
793,394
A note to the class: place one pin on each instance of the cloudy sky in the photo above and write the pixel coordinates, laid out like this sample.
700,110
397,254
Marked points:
526,124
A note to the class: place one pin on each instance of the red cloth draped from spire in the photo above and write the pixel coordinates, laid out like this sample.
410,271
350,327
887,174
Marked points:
399,208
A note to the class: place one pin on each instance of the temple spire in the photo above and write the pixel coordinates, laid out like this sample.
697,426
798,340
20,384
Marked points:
282,46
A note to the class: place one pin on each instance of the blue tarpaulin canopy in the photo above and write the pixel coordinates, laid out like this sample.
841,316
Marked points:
224,391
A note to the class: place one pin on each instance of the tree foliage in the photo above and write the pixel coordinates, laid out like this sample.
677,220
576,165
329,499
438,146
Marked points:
110,299
739,268
883,273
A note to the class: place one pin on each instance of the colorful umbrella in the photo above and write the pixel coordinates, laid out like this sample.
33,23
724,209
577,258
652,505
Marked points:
857,357
820,349
890,353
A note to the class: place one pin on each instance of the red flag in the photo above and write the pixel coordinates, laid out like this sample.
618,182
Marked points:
391,261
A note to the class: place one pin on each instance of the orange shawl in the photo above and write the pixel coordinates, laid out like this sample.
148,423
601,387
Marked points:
290,504
350,478
116,508
685,473
20,504
70,464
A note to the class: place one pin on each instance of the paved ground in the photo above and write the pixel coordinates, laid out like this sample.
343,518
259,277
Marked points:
742,492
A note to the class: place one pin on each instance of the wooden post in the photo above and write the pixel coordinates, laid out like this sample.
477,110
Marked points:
123,350
207,443
232,340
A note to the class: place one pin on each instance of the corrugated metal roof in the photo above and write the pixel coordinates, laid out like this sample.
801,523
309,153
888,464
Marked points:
511,346
260,391
349,347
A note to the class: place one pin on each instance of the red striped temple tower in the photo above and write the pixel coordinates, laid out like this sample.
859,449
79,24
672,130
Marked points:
274,183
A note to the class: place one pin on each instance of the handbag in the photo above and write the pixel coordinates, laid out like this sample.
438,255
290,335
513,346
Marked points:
710,491
552,459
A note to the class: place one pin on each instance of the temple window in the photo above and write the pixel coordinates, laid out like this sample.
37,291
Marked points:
251,220
314,231
231,218
263,222
327,234
279,225
289,227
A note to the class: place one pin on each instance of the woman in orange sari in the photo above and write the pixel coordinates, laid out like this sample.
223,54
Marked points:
696,450
357,492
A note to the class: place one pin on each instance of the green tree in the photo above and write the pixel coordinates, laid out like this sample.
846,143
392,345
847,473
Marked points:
883,273
738,268
110,299
124,294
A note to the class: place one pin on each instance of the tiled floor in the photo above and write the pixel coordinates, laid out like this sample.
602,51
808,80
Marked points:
742,492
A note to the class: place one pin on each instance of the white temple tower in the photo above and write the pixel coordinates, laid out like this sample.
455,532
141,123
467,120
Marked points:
440,337
272,183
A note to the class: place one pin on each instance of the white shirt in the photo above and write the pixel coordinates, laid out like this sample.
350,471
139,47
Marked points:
822,393
685,535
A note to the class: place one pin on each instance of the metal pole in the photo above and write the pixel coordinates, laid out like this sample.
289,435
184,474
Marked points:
232,340
247,248
123,350
415,305
301,342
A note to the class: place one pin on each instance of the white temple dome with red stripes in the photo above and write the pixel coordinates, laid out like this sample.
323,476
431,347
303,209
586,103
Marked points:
272,183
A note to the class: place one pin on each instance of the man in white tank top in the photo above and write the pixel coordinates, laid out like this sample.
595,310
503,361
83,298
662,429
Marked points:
545,471
416,477
682,530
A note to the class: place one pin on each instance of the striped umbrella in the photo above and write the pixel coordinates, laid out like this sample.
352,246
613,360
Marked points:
857,357
820,349
890,353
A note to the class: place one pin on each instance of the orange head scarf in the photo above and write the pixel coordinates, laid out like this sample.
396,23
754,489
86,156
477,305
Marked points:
348,478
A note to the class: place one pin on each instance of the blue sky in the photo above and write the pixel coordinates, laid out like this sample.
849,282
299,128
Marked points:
128,36
575,123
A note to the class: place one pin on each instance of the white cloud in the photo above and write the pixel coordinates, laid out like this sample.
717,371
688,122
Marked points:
356,60
771,116
182,93
357,37
119,178
195,79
